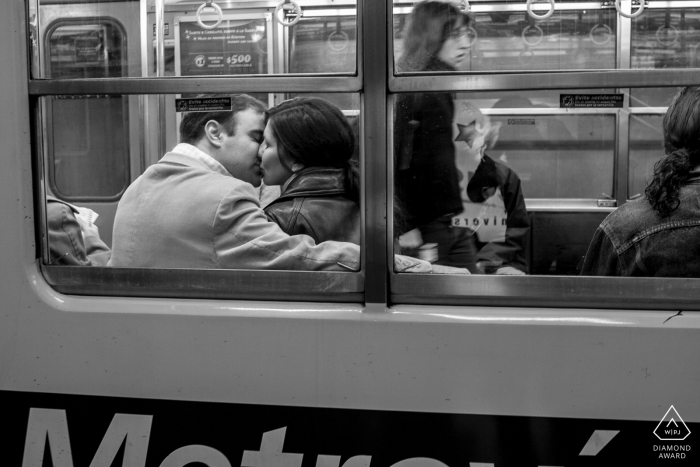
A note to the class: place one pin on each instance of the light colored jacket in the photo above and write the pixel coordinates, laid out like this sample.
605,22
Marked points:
182,214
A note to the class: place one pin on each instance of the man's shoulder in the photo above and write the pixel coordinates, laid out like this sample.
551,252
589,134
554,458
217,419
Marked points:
173,171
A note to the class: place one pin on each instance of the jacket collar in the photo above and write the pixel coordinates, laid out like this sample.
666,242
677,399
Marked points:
191,156
315,181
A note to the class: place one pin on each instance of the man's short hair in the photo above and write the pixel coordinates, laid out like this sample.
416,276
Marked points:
192,123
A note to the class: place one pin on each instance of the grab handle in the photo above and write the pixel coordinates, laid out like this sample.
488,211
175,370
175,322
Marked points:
217,8
639,11
539,17
288,5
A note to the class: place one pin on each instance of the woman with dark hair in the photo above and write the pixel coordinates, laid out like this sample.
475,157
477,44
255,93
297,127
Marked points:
659,235
308,149
426,177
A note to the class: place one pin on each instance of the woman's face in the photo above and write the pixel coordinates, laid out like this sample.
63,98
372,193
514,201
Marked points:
274,172
455,49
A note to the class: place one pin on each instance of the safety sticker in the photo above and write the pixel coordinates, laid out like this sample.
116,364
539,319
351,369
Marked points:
573,101
213,104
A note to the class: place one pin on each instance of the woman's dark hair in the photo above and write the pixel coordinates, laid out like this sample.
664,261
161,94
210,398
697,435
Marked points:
430,24
315,132
192,123
681,128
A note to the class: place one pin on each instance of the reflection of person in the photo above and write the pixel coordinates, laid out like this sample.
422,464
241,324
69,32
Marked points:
74,240
489,186
197,208
427,184
658,235
308,149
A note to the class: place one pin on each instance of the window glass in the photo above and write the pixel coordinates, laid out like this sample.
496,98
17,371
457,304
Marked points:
88,146
464,175
646,148
666,38
324,44
81,49
86,40
651,97
500,38
104,39
198,201
87,136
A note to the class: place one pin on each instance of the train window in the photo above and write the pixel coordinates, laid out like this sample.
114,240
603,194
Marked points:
219,39
86,49
563,102
300,172
507,165
87,143
511,36
85,39
666,38
332,37
87,137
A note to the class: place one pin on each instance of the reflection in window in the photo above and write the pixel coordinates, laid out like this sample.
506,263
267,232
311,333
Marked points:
562,156
666,38
646,148
505,40
323,45
84,50
88,135
88,147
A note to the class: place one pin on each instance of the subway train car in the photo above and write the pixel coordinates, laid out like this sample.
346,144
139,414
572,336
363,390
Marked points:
375,366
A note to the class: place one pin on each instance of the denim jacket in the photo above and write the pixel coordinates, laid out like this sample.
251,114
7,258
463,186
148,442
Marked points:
636,241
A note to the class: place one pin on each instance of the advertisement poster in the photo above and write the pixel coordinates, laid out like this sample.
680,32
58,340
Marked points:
232,48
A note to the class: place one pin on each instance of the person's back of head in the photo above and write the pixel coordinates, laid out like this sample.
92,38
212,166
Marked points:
193,123
681,129
430,24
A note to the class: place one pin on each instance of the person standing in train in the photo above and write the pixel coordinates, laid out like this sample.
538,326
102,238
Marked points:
197,208
426,177
308,149
658,235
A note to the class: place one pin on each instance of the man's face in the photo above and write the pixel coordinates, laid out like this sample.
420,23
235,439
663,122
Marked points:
239,152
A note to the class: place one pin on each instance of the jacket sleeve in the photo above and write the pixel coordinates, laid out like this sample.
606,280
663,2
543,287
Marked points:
245,239
601,258
510,252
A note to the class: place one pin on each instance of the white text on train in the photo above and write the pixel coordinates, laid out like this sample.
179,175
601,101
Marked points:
53,424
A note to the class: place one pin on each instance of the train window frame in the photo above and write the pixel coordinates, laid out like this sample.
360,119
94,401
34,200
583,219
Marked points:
376,284
346,287
542,291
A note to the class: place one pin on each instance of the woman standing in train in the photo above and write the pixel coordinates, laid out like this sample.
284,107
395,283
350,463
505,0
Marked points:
426,176
308,149
659,235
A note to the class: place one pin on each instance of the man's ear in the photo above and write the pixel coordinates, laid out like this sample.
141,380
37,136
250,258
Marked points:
213,132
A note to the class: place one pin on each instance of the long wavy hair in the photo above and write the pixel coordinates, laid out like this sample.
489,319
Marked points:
316,133
681,128
429,25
